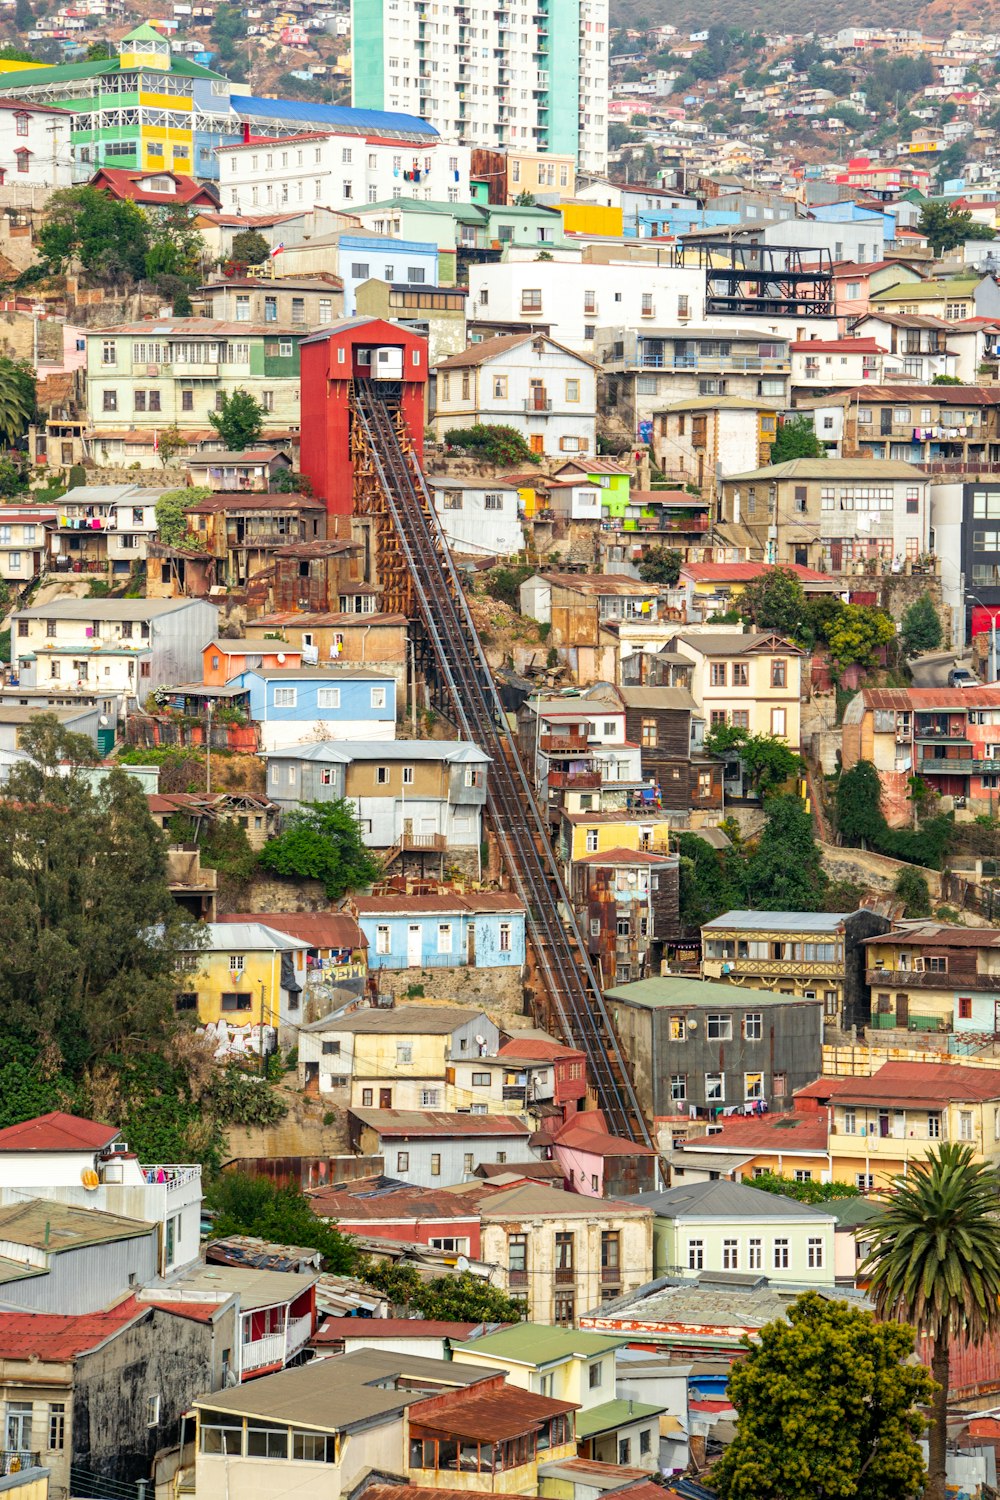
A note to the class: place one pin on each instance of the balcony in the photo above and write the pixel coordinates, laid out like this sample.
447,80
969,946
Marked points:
517,1279
919,979
570,781
262,1354
203,369
565,1276
563,744
611,1276
706,364
17,1461
947,765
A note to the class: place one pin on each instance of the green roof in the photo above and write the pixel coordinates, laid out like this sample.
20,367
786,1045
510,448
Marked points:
465,213
850,1212
673,989
70,72
539,1344
144,33
611,1415
917,291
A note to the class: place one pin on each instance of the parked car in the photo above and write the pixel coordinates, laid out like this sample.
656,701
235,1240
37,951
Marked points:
961,677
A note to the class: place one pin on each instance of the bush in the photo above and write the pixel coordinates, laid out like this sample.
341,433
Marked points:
912,889
505,583
495,443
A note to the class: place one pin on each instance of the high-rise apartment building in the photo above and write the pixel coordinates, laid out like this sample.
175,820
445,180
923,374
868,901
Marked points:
532,74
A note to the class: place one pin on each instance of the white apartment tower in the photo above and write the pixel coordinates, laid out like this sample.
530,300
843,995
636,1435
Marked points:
531,75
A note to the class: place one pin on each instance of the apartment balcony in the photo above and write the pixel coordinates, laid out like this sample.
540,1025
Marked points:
202,369
517,1279
580,781
735,364
919,979
947,765
787,967
563,744
263,1353
537,405
565,1276
18,1461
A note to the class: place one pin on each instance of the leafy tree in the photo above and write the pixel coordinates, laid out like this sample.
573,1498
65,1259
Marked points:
322,841
768,761
860,820
244,1204
17,399
774,601
921,627
707,887
661,565
805,1192
171,513
24,16
109,238
784,872
947,380
250,248
16,54
462,1299
796,438
497,443
13,475
92,955
828,1407
935,1260
100,52
172,442
947,227
857,632
912,889
240,421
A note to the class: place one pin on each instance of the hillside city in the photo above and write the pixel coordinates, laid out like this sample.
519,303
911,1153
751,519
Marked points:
499,753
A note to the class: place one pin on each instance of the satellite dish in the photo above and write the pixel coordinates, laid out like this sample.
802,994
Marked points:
281,657
692,1026
480,1040
90,1179
103,721
462,1263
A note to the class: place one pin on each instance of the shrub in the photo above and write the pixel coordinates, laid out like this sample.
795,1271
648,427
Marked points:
495,443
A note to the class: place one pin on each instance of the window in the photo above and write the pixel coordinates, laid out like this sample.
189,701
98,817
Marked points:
781,1255
531,300
505,931
480,1080
366,1098
404,1054
402,1161
753,1085
715,1088
965,1132
778,721
382,939
236,1000
753,1025
517,1259
850,1122
430,1098
814,1254
778,674
109,352
965,1008
378,697
645,1441
444,937
696,1255
592,836
730,1255
624,1450
572,390
435,1164
109,400
755,1255
864,1181
285,697
678,1087
57,1426
741,674
718,673
677,1028
331,1049
328,697
719,1028
152,1410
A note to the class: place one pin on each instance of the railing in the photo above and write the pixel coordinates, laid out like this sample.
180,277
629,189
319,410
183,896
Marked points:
537,403
565,1276
611,1275
957,765
564,744
208,369
734,363
16,1460
574,780
517,1092
940,735
172,1177
418,841
517,1278
959,466
270,1350
297,1334
912,979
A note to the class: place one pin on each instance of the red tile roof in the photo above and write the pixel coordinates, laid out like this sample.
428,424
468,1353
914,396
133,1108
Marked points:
743,572
401,904
390,1207
320,929
586,1131
121,183
334,1329
916,1083
50,1337
792,1131
536,1046
625,857
57,1131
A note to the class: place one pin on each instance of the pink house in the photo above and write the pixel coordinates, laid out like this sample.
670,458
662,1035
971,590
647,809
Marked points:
600,1165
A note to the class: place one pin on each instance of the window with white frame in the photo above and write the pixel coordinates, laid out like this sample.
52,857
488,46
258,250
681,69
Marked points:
378,697
781,1255
285,697
814,1253
382,939
328,697
444,937
715,1088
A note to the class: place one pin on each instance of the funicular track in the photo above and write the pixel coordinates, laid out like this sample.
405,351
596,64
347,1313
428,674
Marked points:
573,989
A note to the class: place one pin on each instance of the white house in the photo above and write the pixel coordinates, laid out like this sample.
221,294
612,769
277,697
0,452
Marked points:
34,145
573,300
80,1162
477,517
320,168
526,381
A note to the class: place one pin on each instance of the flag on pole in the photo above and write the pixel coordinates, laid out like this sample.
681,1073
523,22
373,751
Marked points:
277,249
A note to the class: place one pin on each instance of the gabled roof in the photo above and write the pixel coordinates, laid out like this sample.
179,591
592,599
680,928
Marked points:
738,643
400,1020
122,183
57,1227
727,1200
53,1339
416,1124
846,468
487,349
538,1344
627,857
792,1131
58,1131
320,929
535,1201
922,1084
744,572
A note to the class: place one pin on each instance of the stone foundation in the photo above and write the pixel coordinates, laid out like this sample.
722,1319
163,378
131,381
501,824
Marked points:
500,992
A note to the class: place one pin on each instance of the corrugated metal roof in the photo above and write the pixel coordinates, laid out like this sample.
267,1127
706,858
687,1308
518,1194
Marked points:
401,904
401,1020
929,698
792,1131
673,989
490,1416
57,1131
898,1082
416,1124
54,1227
727,1200
50,1338
611,1415
319,929
345,752
841,468
255,107
778,921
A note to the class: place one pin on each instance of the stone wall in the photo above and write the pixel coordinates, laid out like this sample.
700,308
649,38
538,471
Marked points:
876,871
500,992
275,894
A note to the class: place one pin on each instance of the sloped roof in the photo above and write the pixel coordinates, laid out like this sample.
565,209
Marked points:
535,1201
727,1200
51,1338
57,1131
744,572
130,184
504,343
539,1344
320,929
400,1020
928,1084
791,1130
417,1124
56,1227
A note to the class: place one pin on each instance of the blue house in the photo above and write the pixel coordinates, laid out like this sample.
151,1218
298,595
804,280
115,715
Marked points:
482,930
361,257
320,703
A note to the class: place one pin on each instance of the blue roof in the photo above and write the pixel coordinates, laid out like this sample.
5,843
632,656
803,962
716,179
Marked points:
380,121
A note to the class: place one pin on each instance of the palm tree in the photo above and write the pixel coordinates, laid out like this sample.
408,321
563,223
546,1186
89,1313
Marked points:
935,1262
17,400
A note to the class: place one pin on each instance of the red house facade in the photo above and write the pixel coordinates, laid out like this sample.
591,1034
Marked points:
361,348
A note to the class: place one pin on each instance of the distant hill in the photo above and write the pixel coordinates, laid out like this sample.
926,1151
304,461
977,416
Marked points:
937,17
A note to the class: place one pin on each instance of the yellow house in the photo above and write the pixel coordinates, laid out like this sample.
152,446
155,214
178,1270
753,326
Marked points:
749,679
878,1125
244,978
583,833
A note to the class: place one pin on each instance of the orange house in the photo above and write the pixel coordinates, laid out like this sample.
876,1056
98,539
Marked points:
221,661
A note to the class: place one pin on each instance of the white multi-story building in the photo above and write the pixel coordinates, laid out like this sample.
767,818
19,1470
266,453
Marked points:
330,169
546,392
531,74
573,300
34,145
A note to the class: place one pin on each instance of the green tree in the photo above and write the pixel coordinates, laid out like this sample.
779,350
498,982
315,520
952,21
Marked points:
250,248
784,871
935,1260
857,632
912,889
13,475
774,601
804,1192
17,399
796,438
661,565
947,227
768,761
24,16
462,1298
860,820
109,238
16,54
100,52
92,957
244,1204
827,1407
707,887
497,443
171,513
921,627
322,841
239,421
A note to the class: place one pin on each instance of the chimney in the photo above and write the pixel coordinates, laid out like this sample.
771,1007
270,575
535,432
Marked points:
246,132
